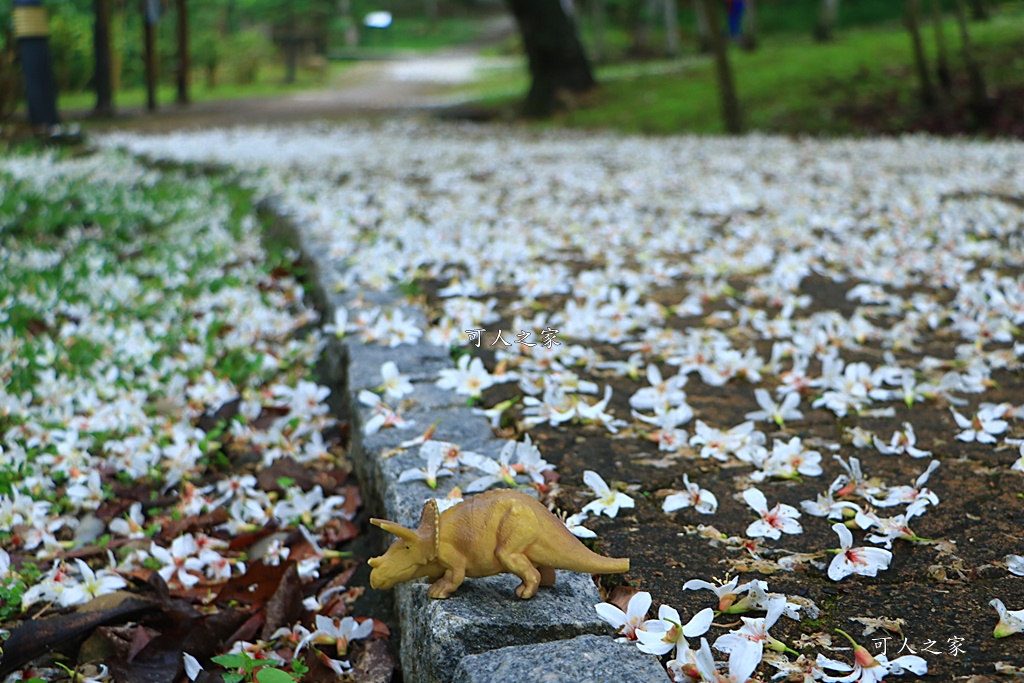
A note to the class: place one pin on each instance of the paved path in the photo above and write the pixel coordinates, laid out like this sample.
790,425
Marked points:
378,87
370,87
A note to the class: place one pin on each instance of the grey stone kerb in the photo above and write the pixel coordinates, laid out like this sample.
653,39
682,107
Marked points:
483,626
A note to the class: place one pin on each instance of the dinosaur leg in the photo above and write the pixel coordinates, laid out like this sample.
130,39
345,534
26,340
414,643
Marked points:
447,584
520,565
547,576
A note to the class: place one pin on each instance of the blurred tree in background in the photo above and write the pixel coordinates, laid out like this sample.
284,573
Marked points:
240,42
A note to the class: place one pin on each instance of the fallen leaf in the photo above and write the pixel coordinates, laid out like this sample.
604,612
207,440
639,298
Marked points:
749,564
658,463
256,586
372,663
121,638
808,608
285,468
179,628
380,629
872,624
38,636
814,640
337,531
243,541
174,528
249,628
208,421
353,501
140,639
794,560
285,605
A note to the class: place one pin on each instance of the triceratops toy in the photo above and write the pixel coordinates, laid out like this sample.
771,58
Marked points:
491,533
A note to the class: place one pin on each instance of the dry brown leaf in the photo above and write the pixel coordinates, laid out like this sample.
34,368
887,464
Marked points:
1008,669
791,562
372,663
750,564
872,624
814,640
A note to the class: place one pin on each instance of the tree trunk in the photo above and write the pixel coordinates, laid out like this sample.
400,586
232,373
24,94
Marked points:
980,104
979,9
430,10
671,28
117,38
703,30
597,23
184,59
750,26
149,55
827,18
644,28
942,71
231,20
726,89
351,28
558,65
101,50
913,21
291,49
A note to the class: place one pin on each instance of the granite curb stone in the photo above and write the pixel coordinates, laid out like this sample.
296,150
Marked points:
584,659
484,615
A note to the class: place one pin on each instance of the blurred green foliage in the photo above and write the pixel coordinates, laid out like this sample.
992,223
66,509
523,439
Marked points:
233,42
792,85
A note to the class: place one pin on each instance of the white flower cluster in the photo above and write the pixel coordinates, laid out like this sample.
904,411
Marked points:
745,646
639,215
848,278
142,329
444,459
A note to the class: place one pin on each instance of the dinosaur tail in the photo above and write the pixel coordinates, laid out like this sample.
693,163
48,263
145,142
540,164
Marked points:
582,559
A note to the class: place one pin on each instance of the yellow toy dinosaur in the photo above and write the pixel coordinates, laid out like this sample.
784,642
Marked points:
491,533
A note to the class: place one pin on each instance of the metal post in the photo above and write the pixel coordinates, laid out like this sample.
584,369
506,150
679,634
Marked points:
32,33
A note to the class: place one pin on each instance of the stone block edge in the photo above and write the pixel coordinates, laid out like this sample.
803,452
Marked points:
381,493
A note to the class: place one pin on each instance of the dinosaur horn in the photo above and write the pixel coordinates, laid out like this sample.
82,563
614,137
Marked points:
396,529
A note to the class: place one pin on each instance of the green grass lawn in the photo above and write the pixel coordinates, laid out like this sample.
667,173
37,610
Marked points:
791,84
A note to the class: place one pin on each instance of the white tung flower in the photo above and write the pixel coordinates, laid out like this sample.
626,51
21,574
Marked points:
850,560
92,585
470,378
629,621
983,427
608,501
775,412
701,499
396,385
1009,622
668,632
429,473
192,666
902,442
726,592
773,523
